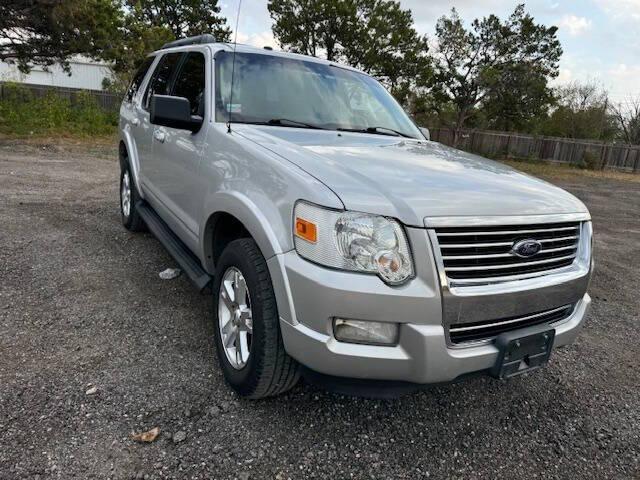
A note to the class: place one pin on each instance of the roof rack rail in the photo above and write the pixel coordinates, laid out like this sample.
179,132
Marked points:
199,39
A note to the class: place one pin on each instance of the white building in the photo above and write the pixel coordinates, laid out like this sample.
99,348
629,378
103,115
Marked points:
85,73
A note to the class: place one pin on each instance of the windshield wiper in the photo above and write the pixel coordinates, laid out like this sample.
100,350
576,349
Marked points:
280,122
378,130
285,122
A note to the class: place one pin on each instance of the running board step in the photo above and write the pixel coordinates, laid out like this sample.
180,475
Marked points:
188,262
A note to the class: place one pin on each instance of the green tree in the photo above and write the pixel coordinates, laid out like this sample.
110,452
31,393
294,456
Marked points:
384,43
519,101
181,17
627,116
376,36
582,112
136,41
313,26
149,24
480,63
44,32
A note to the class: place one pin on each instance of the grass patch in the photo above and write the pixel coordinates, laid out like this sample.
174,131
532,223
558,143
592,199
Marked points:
564,171
23,115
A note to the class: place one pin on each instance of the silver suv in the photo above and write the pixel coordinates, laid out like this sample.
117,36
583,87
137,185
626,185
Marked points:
337,240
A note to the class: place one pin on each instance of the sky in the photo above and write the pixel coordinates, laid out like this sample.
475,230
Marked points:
600,38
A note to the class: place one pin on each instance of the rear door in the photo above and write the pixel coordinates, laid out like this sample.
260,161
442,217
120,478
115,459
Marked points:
177,153
129,115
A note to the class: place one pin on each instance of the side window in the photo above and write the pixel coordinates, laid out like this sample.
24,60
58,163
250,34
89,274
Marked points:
190,82
160,83
137,79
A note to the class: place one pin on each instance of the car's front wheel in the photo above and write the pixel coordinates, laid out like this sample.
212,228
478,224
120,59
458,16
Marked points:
247,327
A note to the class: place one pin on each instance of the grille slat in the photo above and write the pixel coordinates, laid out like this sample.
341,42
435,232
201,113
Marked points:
505,244
508,265
471,332
561,239
505,255
506,232
478,245
477,253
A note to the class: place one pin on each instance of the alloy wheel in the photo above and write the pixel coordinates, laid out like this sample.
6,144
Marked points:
234,318
125,194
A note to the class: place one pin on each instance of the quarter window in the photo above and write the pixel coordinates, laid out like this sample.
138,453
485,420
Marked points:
190,82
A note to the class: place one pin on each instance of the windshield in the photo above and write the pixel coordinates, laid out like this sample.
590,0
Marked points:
294,93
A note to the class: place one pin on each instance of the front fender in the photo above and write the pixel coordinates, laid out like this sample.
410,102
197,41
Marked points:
259,188
261,222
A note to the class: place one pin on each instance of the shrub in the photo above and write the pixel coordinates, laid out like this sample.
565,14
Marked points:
90,117
23,113
590,161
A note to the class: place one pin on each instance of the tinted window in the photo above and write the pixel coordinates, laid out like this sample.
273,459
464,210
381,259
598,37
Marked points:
160,84
190,82
137,79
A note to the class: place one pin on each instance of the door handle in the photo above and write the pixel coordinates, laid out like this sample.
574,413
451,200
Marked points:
135,122
159,136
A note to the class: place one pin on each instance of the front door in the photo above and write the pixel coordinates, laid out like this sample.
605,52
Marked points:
177,153
160,83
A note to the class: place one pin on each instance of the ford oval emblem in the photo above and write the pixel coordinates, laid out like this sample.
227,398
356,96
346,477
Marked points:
526,248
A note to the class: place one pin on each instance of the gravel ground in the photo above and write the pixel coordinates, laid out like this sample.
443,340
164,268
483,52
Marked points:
94,346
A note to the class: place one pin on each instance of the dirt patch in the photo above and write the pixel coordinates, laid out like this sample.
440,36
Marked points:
82,310
563,171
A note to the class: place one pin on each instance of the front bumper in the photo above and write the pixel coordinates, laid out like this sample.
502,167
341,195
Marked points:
422,355
309,296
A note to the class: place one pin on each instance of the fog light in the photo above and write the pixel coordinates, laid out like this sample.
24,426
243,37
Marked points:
370,333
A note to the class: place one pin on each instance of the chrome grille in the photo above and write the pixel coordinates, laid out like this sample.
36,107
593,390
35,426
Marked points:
479,331
471,253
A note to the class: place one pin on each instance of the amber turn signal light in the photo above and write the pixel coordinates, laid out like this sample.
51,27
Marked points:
306,230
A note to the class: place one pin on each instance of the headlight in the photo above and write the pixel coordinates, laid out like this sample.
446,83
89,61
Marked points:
353,241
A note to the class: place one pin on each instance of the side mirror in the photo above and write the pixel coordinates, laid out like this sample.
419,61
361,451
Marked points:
425,132
174,112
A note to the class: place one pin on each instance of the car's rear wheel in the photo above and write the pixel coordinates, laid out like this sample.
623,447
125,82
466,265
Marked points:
128,201
247,326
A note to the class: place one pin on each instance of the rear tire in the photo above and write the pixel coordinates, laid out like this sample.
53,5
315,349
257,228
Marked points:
129,199
267,369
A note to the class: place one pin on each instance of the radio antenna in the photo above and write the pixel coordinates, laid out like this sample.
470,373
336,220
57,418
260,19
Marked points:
233,68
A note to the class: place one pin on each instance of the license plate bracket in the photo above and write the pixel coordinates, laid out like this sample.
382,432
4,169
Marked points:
523,351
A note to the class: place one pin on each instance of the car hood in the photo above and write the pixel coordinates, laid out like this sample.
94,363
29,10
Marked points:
409,179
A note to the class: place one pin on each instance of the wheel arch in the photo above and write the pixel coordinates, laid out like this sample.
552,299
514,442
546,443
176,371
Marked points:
123,154
236,216
126,155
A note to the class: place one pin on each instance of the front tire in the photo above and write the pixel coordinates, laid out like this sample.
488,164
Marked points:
247,326
129,199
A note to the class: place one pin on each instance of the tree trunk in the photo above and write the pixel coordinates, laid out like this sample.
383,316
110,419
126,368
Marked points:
330,49
457,129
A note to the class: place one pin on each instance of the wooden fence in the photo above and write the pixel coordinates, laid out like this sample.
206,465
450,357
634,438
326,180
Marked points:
106,100
589,153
